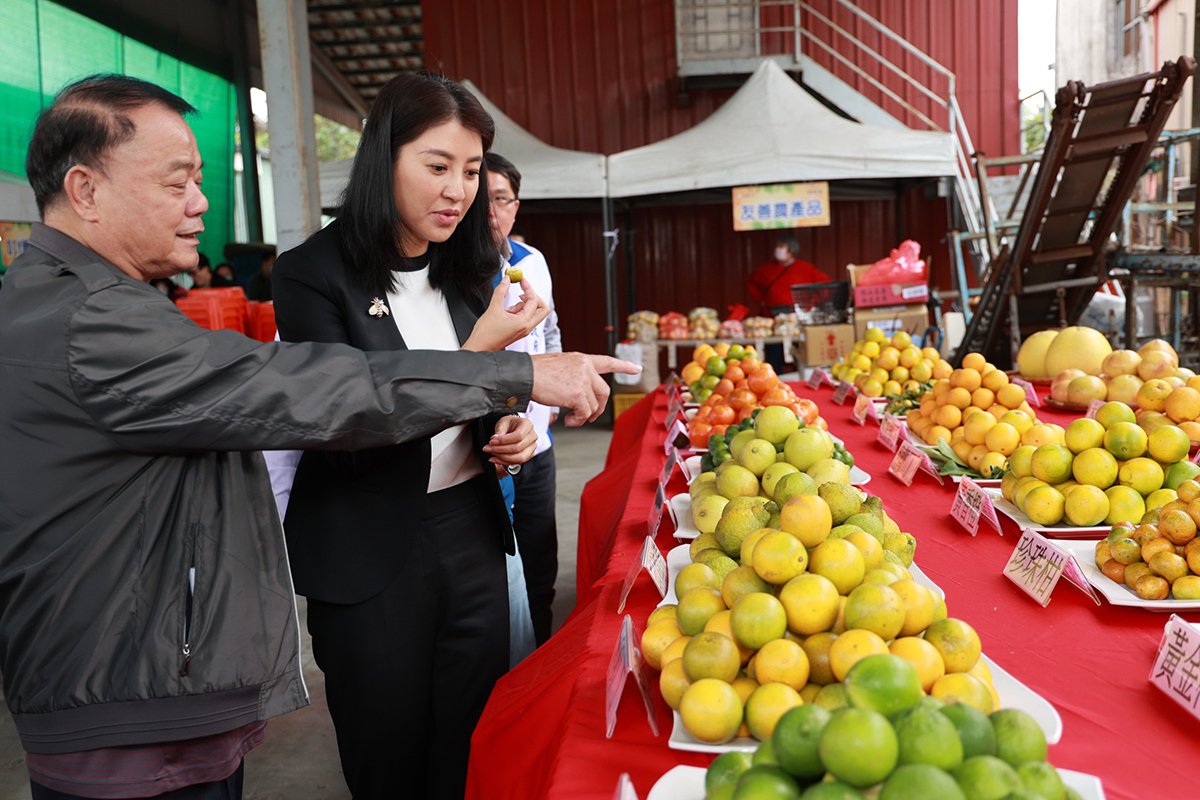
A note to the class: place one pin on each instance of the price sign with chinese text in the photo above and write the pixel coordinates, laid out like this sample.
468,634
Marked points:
1031,395
1176,670
674,410
677,437
1036,565
626,660
843,391
890,431
818,377
1093,407
971,504
864,409
650,559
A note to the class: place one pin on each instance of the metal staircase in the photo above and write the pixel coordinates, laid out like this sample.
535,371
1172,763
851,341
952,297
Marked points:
1100,139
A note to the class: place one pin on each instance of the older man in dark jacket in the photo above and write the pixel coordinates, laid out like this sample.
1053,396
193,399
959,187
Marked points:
147,623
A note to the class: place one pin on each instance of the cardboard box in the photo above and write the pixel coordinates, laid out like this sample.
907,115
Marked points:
887,294
825,344
911,318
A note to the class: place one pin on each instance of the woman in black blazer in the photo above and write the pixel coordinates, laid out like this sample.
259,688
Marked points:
400,550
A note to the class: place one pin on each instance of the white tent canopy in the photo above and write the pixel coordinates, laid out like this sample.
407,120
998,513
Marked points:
772,131
546,172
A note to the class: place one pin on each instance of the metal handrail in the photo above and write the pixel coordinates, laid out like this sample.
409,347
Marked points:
897,38
868,78
884,61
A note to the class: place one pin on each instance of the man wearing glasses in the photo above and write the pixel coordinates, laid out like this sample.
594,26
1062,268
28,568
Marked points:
533,509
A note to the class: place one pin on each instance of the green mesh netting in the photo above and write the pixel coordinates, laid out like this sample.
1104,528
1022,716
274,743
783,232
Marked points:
46,46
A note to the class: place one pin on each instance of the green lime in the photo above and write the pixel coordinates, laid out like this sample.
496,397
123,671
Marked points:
986,778
974,729
1041,779
920,782
796,738
858,746
1018,736
884,683
766,782
726,768
927,737
831,697
765,754
831,790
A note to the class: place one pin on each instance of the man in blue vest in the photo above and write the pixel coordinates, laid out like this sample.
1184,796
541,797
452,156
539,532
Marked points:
534,485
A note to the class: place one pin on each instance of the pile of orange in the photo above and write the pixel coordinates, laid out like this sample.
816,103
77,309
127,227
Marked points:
746,384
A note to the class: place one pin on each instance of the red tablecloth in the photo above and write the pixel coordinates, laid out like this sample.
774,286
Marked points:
542,734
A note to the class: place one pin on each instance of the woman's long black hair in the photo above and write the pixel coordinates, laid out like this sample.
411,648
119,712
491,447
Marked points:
406,107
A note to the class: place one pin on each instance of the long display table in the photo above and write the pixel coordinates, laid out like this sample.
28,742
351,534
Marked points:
542,734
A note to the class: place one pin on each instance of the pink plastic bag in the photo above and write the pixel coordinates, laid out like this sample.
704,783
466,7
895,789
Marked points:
904,265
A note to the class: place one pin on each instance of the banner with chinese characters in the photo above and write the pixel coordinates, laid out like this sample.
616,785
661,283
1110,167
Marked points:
780,205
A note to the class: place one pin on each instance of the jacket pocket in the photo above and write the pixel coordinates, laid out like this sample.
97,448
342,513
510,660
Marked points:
189,601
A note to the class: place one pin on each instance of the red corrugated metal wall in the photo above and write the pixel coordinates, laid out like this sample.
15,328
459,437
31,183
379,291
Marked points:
599,75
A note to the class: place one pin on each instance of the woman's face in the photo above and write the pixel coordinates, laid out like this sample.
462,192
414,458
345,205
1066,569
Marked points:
434,181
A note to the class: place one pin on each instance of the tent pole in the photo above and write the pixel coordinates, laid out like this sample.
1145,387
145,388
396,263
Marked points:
630,273
610,283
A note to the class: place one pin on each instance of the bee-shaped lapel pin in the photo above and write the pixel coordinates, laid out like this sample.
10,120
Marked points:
378,309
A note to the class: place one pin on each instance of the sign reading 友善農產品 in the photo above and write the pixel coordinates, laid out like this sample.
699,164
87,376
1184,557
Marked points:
780,205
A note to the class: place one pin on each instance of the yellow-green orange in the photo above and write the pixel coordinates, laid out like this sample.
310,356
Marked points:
1143,475
851,647
1111,413
779,557
918,606
711,655
1095,467
877,608
696,607
782,661
1168,444
766,705
1125,440
1045,505
1051,463
811,603
711,710
1086,506
808,518
956,641
839,561
757,618
1083,434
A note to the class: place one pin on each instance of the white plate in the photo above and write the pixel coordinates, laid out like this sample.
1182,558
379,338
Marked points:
1013,694
1117,593
1052,531
685,528
687,783
994,482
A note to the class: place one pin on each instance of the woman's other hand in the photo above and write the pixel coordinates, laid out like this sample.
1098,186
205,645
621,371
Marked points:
513,442
499,326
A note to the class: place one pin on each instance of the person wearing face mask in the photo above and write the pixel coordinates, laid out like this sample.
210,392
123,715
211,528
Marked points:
770,285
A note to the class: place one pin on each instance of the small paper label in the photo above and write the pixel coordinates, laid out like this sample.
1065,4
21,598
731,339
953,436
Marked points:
674,410
889,431
843,391
1093,407
656,512
672,459
1035,566
818,377
914,292
864,409
1176,670
625,790
654,563
1031,395
673,382
904,466
971,503
626,660
676,434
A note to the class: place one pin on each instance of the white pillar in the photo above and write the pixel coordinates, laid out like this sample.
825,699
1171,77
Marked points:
287,79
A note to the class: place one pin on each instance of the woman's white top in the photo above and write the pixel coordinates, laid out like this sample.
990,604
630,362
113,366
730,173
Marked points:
423,318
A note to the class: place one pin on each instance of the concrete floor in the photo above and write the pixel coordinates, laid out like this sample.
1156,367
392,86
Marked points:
299,757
